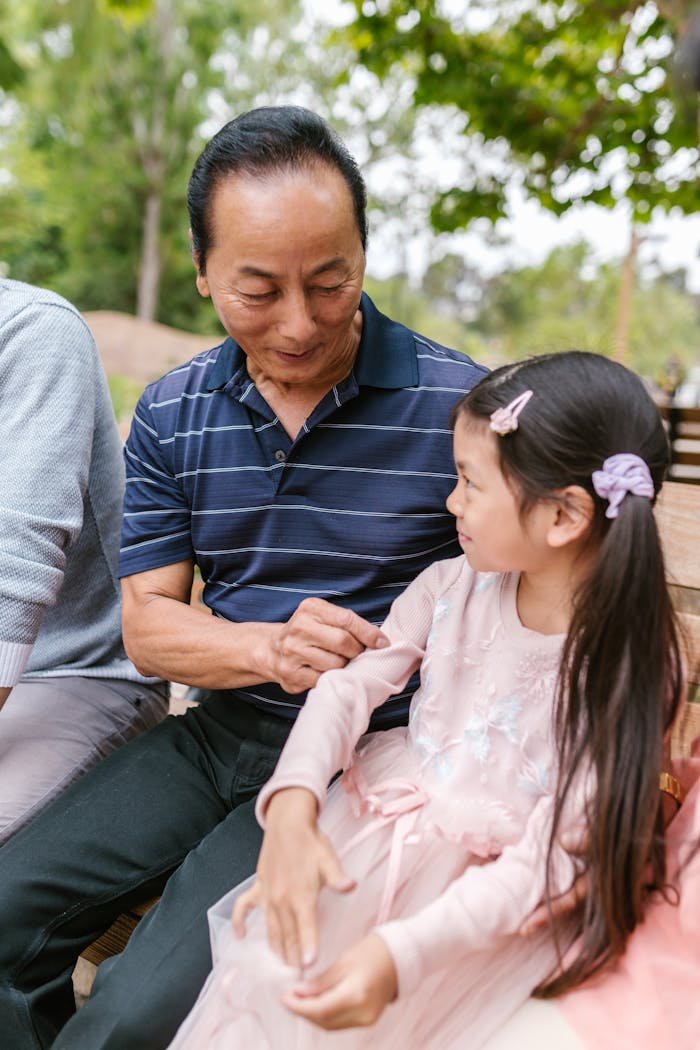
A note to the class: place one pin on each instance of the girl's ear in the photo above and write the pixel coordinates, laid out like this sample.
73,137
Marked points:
572,517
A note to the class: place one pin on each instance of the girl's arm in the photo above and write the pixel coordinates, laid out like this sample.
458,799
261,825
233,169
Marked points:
338,710
296,859
484,903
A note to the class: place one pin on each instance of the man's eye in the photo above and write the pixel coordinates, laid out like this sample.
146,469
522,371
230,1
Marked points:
328,289
257,297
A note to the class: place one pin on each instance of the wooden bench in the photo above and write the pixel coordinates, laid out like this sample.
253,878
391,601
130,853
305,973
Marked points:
684,435
678,515
678,512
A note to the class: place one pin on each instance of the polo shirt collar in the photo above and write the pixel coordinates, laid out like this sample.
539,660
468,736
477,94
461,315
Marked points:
386,356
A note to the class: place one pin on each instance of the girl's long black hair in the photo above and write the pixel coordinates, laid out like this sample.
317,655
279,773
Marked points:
620,683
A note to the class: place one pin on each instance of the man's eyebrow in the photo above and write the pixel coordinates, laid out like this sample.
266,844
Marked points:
333,264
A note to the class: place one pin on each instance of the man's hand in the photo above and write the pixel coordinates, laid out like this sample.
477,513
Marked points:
317,637
296,861
353,991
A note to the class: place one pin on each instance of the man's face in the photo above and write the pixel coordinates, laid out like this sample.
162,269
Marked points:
285,271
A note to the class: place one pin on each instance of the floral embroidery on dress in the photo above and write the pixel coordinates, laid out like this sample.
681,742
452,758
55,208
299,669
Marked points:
442,608
502,716
434,756
534,778
538,672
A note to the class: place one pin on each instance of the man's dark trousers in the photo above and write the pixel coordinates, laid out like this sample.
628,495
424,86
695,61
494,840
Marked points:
174,806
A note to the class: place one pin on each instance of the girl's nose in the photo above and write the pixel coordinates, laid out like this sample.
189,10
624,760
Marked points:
453,504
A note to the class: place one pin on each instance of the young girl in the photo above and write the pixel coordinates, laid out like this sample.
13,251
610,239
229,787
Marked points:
549,677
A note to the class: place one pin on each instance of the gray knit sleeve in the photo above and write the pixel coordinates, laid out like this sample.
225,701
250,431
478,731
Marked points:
48,368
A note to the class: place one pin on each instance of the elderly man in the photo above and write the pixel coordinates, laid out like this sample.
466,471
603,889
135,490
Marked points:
302,466
68,694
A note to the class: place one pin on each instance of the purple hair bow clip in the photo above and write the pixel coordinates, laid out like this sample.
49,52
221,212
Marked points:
505,420
622,473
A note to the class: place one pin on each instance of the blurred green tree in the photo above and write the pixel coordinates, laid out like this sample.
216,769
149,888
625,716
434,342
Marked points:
574,101
568,302
571,102
105,126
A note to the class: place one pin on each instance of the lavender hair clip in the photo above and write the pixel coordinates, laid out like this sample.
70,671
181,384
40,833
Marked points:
622,473
505,420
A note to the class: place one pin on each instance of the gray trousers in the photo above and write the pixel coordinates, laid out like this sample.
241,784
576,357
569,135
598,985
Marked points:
171,813
52,730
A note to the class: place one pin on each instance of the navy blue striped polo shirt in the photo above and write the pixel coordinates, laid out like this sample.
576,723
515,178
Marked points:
351,510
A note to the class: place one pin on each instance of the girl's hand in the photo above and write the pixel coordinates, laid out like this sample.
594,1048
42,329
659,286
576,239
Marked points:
353,991
296,861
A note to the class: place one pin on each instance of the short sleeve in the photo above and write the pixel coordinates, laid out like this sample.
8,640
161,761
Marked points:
156,527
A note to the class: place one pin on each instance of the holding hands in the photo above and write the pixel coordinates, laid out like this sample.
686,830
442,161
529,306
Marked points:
296,861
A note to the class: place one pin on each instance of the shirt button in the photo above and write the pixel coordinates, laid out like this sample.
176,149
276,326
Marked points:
280,455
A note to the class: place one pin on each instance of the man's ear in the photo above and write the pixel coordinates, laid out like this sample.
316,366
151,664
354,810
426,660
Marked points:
572,517
200,280
202,284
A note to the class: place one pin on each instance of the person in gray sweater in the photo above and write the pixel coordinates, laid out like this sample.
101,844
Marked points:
68,693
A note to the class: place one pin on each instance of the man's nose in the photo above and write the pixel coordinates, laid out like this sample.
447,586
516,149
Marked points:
296,318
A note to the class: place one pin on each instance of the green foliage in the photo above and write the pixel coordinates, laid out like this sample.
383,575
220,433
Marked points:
397,298
565,303
110,116
576,100
11,72
125,393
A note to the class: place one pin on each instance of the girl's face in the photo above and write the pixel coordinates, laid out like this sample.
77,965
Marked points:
489,528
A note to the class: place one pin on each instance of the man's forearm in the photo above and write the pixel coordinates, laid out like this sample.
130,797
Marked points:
169,639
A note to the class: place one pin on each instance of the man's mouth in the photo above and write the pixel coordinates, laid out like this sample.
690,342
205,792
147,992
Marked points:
296,357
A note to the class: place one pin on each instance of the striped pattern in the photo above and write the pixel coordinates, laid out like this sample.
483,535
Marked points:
352,510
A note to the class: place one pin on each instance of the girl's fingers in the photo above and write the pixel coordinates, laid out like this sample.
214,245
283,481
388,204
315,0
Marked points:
316,986
243,907
333,875
274,933
290,937
308,933
562,905
330,1008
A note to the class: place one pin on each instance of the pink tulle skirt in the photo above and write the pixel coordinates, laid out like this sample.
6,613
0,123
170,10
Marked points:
461,1005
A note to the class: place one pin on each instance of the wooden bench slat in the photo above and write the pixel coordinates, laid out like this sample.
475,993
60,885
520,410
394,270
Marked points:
114,940
678,515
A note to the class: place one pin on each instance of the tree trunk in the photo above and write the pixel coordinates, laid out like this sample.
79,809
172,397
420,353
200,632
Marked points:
149,269
624,302
152,138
